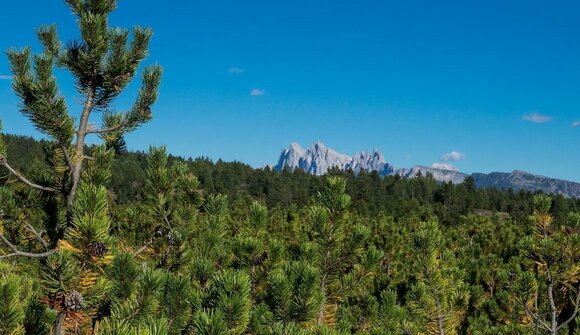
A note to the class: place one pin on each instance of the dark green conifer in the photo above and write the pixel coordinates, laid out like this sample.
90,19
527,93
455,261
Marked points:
439,298
342,255
548,287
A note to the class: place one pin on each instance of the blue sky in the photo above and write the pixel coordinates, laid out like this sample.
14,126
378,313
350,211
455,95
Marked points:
496,81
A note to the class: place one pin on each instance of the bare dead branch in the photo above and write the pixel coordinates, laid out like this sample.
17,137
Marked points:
19,176
144,247
157,233
18,253
106,130
535,316
37,234
67,157
576,309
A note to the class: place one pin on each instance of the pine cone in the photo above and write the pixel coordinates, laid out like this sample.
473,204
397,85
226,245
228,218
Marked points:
159,231
98,249
73,301
569,230
259,259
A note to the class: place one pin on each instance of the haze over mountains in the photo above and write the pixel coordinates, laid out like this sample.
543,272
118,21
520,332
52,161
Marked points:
318,159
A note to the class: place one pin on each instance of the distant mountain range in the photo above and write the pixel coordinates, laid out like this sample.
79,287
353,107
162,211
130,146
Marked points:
318,159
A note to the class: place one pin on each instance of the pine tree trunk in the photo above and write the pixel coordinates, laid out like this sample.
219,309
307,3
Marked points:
439,317
553,311
323,291
79,148
58,327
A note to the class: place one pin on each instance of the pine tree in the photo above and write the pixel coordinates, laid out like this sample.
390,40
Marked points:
225,305
439,298
73,235
103,62
250,247
548,288
343,258
394,318
169,211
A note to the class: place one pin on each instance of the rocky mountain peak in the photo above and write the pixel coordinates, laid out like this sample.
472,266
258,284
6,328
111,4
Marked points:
318,159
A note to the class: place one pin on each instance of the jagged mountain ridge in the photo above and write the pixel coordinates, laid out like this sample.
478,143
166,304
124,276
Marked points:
318,159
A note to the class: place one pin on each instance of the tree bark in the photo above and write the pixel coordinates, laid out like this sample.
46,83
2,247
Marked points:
79,149
323,291
58,326
553,311
439,317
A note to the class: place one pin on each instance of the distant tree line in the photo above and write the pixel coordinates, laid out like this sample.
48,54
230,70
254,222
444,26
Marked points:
370,193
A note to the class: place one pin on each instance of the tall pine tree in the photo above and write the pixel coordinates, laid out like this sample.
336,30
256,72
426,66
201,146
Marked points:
548,287
73,232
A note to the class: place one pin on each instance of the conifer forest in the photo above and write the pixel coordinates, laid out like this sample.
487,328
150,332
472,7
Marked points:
99,240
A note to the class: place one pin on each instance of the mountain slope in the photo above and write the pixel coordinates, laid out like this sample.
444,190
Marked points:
522,180
441,175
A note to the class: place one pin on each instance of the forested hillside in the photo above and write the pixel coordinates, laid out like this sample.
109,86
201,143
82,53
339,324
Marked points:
98,241
370,193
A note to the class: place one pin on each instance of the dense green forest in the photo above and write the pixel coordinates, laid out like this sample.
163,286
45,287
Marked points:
371,194
97,240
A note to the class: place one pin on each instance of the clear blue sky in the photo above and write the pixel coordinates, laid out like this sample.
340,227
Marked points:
498,81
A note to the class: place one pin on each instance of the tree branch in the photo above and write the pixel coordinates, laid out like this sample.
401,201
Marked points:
144,247
440,315
534,316
67,157
17,253
106,130
576,308
37,234
4,162
158,232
